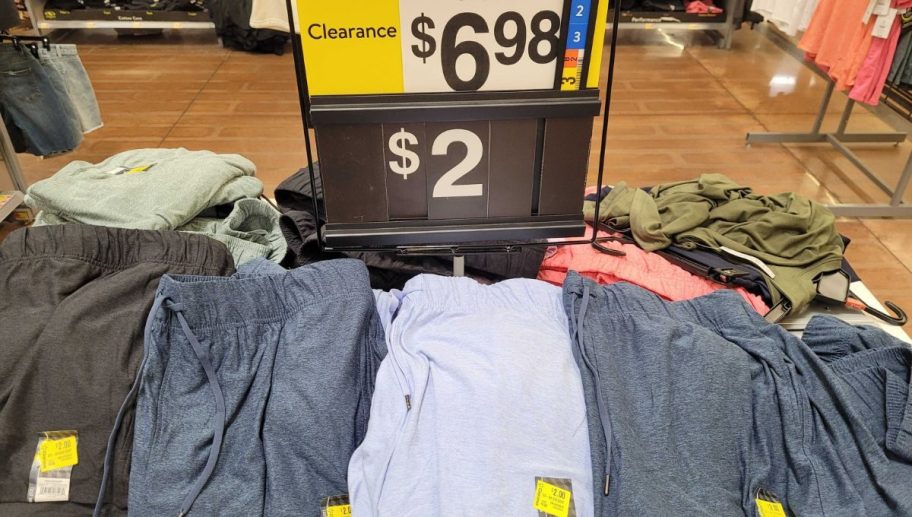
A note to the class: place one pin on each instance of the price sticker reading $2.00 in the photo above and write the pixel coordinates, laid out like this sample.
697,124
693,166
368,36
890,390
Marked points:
422,46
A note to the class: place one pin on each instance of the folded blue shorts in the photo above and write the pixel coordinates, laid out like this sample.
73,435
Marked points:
255,391
701,406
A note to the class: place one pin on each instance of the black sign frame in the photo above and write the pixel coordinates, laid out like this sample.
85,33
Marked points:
320,109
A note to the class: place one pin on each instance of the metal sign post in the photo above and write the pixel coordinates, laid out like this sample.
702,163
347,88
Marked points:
448,124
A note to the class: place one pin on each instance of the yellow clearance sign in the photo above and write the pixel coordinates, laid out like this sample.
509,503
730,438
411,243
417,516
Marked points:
427,46
354,47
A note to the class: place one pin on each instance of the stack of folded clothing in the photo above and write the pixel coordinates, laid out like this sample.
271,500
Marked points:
166,189
786,240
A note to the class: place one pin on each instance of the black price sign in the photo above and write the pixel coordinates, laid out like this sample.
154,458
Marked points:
451,121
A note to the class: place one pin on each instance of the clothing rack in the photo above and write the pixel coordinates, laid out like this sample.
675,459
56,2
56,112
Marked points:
11,161
896,207
7,152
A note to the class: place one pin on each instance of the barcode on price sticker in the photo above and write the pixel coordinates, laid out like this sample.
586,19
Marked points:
51,489
52,467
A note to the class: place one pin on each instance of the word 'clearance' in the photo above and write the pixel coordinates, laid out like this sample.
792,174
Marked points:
321,31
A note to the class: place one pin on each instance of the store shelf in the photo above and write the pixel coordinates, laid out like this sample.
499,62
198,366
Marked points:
77,24
9,202
46,20
671,20
721,24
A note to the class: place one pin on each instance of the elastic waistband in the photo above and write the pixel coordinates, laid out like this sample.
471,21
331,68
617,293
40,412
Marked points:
235,301
58,50
892,358
468,295
117,248
721,310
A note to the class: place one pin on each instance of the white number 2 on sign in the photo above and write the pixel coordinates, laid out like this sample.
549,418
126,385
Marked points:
446,186
408,162
478,45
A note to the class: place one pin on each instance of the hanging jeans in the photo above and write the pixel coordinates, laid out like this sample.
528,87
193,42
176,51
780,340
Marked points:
40,115
69,76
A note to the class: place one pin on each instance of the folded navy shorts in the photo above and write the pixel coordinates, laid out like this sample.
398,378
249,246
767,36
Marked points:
255,391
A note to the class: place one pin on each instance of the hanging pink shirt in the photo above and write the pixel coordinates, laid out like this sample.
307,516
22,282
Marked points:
872,76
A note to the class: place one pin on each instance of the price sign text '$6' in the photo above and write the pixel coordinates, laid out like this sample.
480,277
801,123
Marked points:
409,161
545,29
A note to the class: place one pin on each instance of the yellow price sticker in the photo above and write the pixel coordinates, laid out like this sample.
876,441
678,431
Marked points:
551,499
569,81
141,168
342,510
58,454
770,508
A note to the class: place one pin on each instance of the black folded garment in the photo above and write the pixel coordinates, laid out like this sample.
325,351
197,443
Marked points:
387,270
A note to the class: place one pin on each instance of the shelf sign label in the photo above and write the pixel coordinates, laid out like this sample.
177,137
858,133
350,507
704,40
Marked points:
434,46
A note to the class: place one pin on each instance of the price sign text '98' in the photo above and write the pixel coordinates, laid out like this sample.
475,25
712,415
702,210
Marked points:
424,46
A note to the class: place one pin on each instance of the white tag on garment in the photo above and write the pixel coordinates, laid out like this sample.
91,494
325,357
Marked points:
55,456
884,24
49,490
869,11
881,7
753,260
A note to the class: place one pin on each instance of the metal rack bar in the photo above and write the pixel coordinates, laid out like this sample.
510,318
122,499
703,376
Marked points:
895,208
9,159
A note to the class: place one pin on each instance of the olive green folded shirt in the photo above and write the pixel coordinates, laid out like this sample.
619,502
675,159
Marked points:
794,237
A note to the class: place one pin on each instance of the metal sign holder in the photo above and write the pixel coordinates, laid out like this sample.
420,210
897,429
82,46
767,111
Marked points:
9,159
312,111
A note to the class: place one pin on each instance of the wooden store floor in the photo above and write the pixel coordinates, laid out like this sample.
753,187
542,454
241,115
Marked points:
681,108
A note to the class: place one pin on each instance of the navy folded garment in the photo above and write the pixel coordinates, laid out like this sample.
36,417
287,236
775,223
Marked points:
702,404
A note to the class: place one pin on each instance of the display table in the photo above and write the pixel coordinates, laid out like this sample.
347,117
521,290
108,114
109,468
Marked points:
797,324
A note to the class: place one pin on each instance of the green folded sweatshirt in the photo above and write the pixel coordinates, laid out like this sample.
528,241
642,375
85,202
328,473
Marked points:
794,237
166,189
145,189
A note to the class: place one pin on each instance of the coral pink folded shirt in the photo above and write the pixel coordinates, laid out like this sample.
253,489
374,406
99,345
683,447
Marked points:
647,270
